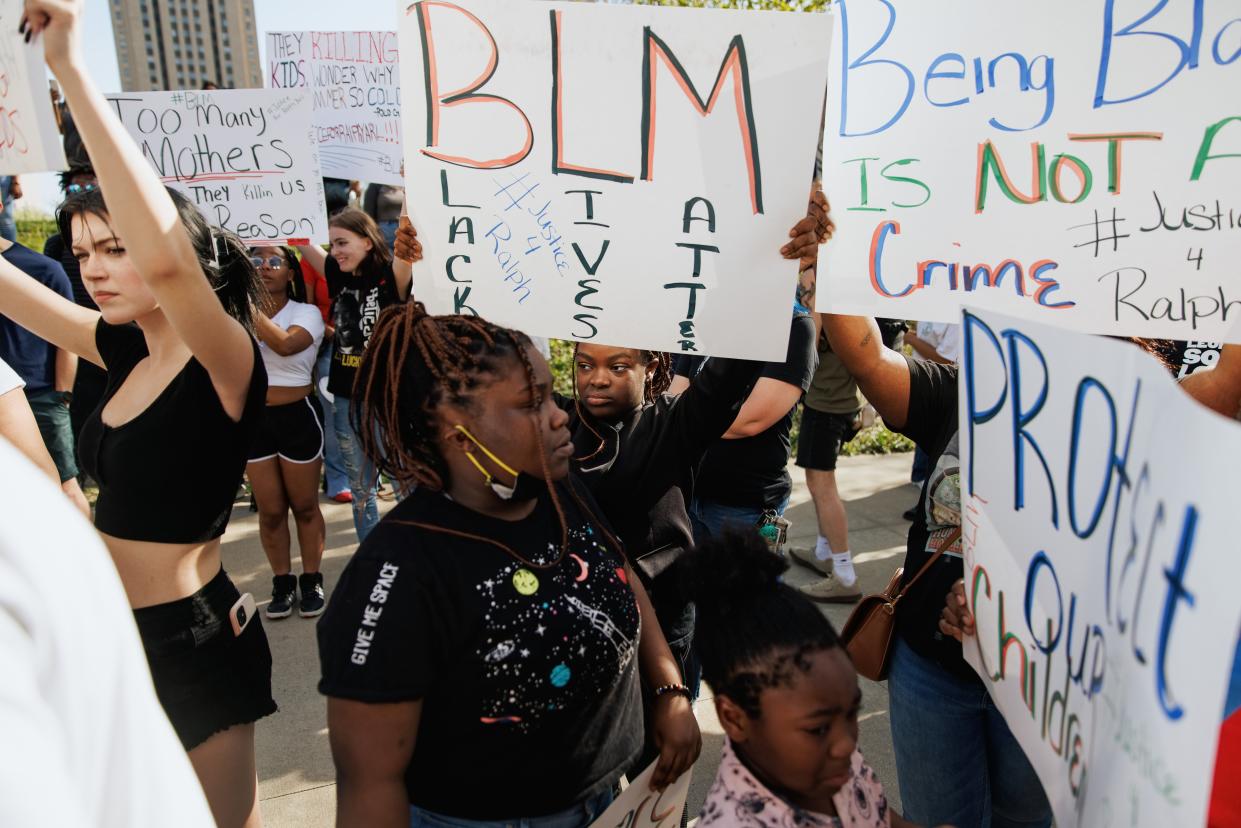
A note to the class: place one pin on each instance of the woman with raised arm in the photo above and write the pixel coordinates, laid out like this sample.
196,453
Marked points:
185,386
286,450
362,279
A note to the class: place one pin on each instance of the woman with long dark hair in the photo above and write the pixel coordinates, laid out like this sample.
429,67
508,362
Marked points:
286,452
167,443
363,280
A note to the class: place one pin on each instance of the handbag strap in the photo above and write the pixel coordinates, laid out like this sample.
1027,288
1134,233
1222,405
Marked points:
940,550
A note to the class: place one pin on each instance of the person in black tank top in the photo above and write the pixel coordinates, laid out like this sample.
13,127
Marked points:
168,441
487,634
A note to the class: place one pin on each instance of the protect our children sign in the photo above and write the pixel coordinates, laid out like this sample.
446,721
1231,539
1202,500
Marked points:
620,174
1074,163
1098,564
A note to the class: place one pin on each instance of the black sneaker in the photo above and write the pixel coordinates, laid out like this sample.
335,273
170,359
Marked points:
311,584
283,596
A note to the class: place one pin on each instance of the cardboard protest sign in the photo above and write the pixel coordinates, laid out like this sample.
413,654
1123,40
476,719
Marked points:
619,174
640,807
1073,163
29,139
244,156
1101,566
354,82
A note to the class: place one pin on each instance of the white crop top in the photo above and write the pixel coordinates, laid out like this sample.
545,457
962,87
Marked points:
294,371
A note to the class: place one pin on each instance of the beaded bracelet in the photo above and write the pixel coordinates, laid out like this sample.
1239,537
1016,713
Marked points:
674,688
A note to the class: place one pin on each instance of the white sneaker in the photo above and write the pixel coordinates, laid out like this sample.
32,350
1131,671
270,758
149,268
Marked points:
831,591
808,559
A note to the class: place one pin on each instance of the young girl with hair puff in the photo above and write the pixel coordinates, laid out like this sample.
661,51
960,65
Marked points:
786,695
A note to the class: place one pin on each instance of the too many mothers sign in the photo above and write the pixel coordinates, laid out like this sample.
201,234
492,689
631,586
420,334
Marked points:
622,174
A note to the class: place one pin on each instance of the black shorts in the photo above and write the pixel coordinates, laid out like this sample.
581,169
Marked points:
822,437
206,678
292,432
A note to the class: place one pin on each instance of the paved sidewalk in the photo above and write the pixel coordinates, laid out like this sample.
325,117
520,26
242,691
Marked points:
296,779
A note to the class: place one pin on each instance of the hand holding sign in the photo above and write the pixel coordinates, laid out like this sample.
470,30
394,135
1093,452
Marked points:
813,230
956,619
641,806
677,737
59,23
407,248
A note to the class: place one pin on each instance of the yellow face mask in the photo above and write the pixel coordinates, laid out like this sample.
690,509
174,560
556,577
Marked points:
522,483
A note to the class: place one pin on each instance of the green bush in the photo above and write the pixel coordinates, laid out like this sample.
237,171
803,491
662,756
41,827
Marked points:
562,366
877,440
33,232
874,440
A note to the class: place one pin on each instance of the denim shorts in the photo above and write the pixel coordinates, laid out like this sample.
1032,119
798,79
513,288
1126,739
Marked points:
207,679
580,815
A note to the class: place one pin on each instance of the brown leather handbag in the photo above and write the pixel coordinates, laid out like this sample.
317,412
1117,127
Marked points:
867,635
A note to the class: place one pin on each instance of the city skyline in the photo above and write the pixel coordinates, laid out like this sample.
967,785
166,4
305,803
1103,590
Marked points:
182,44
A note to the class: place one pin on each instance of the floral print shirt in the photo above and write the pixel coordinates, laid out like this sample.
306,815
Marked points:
739,800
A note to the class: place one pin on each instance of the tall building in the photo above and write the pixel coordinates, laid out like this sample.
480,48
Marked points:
180,44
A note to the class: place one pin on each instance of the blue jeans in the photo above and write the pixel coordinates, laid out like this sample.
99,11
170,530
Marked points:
579,816
956,759
8,222
333,463
361,471
922,466
709,519
388,229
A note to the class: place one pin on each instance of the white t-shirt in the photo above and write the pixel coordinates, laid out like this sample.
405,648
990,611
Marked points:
84,740
944,337
294,371
9,379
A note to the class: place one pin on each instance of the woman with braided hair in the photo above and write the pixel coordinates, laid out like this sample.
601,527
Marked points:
286,449
636,450
481,653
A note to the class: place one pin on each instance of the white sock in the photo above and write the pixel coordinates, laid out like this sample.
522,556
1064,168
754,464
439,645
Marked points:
843,567
822,549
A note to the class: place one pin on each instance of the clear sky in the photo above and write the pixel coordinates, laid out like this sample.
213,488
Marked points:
42,191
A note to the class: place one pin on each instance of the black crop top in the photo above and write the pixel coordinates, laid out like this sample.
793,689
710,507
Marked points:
170,474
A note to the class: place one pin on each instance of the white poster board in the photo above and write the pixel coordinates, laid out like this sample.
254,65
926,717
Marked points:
640,807
565,180
1099,509
354,79
244,156
1067,162
29,139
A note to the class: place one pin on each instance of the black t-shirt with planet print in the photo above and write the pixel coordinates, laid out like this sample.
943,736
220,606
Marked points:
527,670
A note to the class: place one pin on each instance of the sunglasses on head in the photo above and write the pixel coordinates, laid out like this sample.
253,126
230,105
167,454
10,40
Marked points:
274,262
74,189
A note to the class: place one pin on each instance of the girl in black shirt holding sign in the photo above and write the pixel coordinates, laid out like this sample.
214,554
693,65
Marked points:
363,280
481,653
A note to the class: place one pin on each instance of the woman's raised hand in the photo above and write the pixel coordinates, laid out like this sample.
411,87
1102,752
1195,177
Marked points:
815,229
407,248
59,22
